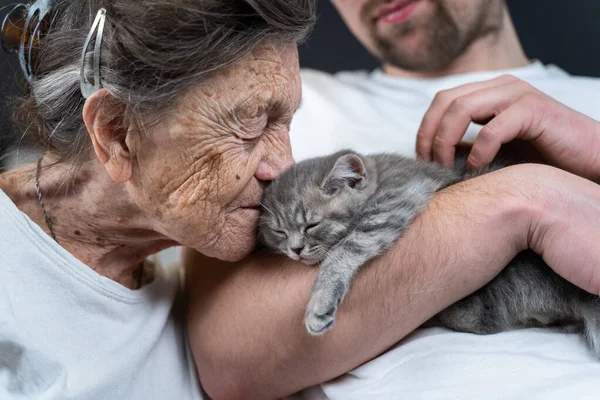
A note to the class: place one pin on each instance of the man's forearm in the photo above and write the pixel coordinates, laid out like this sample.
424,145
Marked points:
246,321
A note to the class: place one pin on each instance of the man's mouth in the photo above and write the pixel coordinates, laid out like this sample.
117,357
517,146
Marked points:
396,12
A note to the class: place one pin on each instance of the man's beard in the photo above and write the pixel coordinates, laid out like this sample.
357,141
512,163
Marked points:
442,40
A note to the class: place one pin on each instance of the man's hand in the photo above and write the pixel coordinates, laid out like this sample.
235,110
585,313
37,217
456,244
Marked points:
565,228
509,109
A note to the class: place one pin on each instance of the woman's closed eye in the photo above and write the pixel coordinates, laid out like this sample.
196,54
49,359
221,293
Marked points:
257,125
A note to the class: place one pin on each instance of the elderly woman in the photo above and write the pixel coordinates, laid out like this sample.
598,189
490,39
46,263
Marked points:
159,122
161,134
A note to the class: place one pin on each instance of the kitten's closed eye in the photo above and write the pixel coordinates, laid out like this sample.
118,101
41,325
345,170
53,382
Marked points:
279,232
310,227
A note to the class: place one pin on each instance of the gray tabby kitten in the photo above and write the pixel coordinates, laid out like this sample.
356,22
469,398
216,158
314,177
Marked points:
342,210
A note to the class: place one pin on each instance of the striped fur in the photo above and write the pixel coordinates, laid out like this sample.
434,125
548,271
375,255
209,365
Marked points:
342,210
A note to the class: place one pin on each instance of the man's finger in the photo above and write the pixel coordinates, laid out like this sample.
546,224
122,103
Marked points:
481,105
439,106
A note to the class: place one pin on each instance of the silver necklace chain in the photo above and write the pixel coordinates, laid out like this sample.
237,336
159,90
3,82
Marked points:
139,274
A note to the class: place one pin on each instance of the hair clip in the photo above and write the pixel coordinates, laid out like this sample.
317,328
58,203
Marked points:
87,88
12,29
19,37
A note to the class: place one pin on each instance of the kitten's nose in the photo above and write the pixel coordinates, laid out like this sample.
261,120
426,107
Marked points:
297,250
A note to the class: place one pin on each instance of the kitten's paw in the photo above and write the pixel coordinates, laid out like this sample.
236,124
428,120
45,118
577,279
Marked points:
317,322
322,309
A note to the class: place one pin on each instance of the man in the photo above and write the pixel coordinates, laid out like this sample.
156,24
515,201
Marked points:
249,316
425,47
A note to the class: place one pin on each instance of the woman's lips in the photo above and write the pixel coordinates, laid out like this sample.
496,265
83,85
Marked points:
397,11
253,207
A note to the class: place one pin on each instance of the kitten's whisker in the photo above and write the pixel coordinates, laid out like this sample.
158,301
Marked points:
327,253
266,208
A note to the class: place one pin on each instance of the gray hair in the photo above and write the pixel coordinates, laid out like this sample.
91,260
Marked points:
152,52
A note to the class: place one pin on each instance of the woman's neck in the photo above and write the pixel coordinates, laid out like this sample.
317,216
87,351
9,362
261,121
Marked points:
91,216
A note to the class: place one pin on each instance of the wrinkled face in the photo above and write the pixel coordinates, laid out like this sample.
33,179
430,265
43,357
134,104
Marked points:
420,35
203,168
312,206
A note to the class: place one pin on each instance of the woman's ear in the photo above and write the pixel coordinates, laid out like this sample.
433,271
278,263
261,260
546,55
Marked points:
104,118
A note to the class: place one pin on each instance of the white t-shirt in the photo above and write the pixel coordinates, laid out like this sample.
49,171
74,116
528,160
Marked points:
68,333
374,112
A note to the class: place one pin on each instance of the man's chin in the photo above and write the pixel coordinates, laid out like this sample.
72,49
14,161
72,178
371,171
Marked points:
407,52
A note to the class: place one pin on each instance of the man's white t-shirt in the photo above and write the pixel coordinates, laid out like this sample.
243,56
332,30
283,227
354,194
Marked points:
374,112
68,333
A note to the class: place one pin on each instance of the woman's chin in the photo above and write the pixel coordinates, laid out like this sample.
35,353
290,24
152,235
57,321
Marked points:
239,237
236,255
233,251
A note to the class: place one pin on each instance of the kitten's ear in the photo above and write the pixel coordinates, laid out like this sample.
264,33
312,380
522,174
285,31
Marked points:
350,171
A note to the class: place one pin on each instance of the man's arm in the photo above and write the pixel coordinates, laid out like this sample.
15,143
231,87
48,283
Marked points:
246,320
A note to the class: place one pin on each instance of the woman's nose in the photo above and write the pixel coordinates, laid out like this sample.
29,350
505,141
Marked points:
274,163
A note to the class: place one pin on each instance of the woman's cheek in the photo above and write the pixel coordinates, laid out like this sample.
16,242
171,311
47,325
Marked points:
238,168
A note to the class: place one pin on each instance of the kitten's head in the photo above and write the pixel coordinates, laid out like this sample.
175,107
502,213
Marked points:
313,205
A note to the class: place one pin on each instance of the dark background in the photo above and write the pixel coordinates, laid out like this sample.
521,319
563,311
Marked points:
562,32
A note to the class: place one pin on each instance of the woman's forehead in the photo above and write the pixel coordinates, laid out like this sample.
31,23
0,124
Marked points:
268,79
268,65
